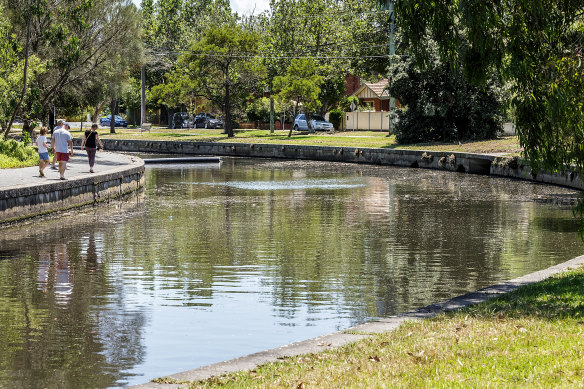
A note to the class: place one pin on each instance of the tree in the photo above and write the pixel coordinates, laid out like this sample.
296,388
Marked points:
438,104
170,27
537,46
301,84
73,40
341,36
221,66
10,71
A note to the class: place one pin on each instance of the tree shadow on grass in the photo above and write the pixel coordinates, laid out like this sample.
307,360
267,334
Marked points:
559,297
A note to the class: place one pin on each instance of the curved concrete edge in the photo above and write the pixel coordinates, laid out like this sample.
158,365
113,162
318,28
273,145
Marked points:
511,167
359,332
26,201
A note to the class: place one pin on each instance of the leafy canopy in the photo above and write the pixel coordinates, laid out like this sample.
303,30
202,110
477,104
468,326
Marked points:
222,67
535,45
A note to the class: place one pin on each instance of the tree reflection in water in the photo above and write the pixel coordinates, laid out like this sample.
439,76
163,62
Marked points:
62,323
218,261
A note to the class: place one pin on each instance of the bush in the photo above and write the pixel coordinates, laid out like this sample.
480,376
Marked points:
438,104
16,154
336,117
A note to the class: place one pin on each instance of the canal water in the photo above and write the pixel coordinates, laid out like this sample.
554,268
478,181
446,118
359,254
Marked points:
212,262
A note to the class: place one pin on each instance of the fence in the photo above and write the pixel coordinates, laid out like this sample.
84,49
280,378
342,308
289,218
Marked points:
371,121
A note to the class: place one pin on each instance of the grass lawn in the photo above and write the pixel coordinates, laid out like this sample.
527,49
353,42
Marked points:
533,337
505,145
508,145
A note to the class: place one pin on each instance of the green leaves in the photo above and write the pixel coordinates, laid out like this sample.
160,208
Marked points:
535,45
301,84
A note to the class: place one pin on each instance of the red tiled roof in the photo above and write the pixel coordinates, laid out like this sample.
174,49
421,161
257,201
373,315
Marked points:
379,87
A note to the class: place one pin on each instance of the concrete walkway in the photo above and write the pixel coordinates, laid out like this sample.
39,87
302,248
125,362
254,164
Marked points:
78,167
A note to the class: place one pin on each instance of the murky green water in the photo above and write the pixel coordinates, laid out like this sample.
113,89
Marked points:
212,263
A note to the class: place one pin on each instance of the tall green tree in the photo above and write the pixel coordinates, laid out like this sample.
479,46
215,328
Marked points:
341,36
10,71
301,84
223,68
170,27
73,40
537,46
439,104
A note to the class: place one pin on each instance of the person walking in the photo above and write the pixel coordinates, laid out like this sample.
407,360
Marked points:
90,141
62,141
41,142
59,125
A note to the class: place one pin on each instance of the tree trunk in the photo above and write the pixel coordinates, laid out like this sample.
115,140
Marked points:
97,111
309,123
227,113
25,77
292,126
26,128
113,117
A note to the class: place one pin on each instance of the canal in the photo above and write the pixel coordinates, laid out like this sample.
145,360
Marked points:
212,262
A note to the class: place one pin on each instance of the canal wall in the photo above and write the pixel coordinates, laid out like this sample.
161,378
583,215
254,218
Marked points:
25,201
511,167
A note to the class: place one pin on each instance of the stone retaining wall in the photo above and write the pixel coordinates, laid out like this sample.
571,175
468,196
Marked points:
462,162
452,161
34,200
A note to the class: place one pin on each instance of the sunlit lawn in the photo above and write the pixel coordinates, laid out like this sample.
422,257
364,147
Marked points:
369,139
508,145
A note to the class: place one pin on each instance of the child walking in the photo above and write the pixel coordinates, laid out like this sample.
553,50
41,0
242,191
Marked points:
43,151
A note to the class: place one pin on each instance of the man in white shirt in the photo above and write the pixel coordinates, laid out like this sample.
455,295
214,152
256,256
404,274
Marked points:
62,142
59,125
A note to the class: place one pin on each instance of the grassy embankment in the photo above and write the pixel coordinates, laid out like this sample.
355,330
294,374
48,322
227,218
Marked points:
369,139
507,145
533,337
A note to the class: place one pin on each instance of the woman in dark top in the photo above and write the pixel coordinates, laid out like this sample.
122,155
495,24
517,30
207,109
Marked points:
90,141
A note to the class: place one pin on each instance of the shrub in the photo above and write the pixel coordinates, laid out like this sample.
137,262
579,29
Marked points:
438,104
336,117
16,154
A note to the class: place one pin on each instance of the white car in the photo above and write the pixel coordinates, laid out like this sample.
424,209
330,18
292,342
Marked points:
318,123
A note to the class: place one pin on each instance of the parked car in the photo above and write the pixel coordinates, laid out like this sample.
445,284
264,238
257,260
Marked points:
318,123
181,120
118,121
207,120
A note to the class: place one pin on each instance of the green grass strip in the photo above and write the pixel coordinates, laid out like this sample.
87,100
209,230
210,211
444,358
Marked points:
533,337
368,139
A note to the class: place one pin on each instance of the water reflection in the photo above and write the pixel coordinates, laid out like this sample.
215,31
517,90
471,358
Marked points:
62,323
216,262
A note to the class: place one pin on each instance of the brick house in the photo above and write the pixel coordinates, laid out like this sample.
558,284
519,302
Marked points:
372,94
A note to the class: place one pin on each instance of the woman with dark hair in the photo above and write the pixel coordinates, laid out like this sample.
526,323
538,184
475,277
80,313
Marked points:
89,142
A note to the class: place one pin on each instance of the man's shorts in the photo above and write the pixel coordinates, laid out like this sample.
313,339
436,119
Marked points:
62,157
44,156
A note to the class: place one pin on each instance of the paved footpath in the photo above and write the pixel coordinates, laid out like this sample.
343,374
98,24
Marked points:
78,168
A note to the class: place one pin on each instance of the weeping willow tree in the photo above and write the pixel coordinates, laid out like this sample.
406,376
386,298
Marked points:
535,46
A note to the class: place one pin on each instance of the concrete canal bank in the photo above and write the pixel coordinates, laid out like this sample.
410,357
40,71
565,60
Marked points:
451,161
24,194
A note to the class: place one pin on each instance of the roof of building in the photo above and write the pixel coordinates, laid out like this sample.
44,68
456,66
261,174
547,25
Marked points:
379,89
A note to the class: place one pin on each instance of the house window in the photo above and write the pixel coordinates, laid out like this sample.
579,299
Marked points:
369,105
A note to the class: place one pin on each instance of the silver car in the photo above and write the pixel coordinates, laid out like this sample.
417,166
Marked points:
318,123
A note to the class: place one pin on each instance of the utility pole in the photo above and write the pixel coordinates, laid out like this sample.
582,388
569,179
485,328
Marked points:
390,5
143,96
271,106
